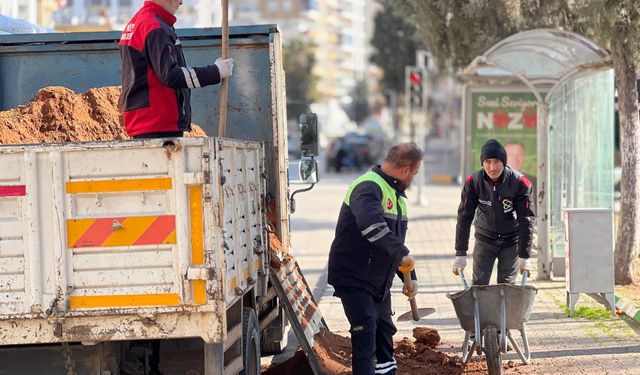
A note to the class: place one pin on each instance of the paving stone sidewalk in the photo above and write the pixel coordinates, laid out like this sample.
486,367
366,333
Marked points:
594,344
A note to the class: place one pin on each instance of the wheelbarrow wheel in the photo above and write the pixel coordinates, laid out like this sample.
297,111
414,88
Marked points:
492,351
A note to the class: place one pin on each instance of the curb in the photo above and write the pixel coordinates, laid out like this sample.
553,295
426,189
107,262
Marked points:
627,307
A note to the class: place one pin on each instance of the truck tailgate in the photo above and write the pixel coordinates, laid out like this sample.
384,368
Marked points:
110,233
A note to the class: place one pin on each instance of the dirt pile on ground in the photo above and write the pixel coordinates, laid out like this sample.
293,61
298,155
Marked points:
57,114
333,352
427,336
413,356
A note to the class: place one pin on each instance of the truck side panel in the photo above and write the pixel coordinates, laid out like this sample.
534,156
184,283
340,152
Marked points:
243,228
128,232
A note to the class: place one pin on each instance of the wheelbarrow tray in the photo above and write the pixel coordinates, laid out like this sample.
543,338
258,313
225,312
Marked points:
519,302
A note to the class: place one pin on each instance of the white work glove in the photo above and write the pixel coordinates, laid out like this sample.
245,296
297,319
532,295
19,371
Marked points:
406,263
524,264
413,292
225,67
459,264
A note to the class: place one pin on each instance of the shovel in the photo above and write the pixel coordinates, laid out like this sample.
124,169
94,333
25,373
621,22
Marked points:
415,313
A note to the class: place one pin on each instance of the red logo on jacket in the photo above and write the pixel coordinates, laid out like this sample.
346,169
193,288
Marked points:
389,204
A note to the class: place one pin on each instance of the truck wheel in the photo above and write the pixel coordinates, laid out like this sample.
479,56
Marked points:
492,351
250,342
274,337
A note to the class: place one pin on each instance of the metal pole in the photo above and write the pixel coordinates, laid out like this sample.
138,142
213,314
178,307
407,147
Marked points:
542,188
464,132
224,89
421,134
393,103
407,99
421,60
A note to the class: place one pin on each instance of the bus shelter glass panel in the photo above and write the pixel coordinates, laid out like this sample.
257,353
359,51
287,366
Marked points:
581,149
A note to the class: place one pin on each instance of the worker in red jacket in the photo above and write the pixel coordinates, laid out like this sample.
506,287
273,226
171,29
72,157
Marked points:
156,81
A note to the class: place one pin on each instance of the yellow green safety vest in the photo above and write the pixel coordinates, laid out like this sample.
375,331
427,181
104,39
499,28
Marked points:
389,204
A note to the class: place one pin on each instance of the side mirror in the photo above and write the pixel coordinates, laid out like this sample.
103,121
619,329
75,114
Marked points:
308,134
306,171
309,171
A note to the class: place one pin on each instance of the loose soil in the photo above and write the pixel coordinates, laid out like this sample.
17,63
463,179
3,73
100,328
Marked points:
58,114
427,336
413,356
275,249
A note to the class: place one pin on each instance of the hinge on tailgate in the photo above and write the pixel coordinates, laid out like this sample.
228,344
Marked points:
206,167
200,273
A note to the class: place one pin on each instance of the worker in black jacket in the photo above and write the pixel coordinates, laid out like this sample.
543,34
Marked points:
499,198
366,252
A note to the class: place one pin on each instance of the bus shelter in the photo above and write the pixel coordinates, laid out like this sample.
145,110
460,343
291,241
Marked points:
564,88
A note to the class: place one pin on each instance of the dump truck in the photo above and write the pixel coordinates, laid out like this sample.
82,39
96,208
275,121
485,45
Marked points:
150,256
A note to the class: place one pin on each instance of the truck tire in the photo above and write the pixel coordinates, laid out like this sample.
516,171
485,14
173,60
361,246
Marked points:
274,337
492,351
250,342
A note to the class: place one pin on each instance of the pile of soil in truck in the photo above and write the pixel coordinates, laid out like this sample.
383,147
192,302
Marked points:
57,114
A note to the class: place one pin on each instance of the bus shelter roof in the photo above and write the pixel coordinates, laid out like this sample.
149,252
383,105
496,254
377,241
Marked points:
541,57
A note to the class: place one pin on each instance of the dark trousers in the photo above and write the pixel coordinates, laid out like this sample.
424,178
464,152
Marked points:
485,255
371,330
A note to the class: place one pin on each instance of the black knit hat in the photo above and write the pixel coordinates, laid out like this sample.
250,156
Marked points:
492,149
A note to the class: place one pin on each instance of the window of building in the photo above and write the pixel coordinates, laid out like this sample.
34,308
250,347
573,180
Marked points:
274,6
345,38
287,6
309,4
248,7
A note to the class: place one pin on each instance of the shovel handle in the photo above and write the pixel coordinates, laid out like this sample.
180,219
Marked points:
414,309
409,286
224,84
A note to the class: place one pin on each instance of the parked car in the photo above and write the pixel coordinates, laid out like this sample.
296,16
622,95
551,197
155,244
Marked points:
352,150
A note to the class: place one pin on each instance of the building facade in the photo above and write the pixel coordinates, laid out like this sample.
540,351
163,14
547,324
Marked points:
339,29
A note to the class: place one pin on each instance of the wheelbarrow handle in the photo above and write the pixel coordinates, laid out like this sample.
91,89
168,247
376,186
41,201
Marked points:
464,281
525,275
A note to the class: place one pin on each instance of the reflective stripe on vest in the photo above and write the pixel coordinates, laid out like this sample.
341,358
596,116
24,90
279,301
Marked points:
388,195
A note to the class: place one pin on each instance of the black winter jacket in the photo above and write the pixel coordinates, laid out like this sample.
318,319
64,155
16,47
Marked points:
369,240
504,211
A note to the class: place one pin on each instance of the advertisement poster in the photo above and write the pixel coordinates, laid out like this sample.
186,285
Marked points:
511,118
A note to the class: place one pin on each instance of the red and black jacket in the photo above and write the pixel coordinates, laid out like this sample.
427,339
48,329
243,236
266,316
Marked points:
156,82
503,212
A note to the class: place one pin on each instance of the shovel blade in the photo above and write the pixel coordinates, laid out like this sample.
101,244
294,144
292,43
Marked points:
422,312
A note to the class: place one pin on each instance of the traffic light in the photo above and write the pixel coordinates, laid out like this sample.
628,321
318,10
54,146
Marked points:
415,88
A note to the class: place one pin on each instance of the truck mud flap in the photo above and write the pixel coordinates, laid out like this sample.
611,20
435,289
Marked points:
301,308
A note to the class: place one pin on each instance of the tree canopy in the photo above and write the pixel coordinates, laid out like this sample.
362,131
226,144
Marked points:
394,45
299,61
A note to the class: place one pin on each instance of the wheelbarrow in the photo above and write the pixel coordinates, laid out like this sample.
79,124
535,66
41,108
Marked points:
488,314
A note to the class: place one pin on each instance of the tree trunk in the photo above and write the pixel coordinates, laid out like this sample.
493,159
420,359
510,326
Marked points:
628,242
